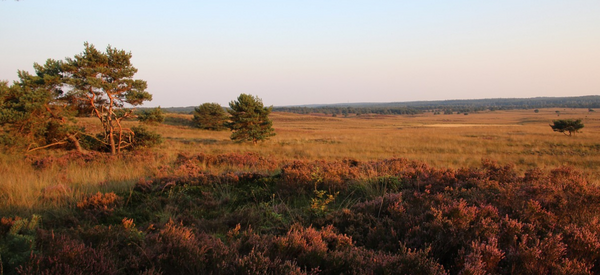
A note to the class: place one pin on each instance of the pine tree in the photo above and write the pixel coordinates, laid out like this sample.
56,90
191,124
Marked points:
250,119
105,81
567,126
35,111
210,116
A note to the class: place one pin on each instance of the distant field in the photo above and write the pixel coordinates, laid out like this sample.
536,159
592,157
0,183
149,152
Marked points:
521,137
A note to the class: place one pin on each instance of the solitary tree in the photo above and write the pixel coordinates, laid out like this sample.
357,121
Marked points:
567,125
210,116
250,119
105,81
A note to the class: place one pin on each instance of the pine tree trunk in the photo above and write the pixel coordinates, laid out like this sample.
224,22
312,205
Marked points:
75,141
113,147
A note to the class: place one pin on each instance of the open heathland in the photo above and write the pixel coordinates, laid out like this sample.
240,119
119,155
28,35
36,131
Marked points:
477,193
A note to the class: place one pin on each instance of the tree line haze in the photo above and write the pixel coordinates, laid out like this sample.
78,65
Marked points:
416,107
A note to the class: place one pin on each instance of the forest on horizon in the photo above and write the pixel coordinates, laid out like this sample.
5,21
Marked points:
441,106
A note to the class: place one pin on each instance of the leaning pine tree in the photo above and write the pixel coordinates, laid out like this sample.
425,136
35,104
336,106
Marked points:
249,119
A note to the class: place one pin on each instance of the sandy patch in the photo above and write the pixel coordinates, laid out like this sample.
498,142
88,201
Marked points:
453,125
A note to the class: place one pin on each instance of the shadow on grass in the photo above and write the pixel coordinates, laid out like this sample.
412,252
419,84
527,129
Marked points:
205,141
178,121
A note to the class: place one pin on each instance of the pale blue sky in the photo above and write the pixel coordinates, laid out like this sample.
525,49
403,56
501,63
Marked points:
318,51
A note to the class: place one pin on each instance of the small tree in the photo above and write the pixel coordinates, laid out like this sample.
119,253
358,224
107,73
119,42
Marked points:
567,125
210,116
152,116
250,119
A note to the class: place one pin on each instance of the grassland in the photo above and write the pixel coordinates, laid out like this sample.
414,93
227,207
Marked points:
519,137
365,194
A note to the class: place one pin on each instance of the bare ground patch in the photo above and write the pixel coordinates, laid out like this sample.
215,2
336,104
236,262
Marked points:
455,125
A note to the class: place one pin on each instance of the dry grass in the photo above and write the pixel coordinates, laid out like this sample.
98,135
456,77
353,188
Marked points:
25,187
521,137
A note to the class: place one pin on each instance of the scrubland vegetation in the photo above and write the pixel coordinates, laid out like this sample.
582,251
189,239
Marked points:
490,192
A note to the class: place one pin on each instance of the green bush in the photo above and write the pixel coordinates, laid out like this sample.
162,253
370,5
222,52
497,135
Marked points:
210,116
152,116
18,243
144,138
93,143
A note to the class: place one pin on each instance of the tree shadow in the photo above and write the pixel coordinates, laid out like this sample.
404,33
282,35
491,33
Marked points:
204,141
178,121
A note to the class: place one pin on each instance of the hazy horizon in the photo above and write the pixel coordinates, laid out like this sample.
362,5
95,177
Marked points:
317,52
384,102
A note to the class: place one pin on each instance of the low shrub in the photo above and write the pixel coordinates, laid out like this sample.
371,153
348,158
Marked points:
99,205
350,217
144,138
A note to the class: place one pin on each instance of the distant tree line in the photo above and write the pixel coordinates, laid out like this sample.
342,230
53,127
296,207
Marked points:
437,107
344,111
447,106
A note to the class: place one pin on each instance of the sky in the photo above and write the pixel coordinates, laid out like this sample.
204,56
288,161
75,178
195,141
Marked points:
321,51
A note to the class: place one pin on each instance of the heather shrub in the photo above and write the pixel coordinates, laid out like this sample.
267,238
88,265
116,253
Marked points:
257,263
584,243
231,160
177,250
239,213
480,257
307,245
65,255
358,260
99,205
304,177
483,220
296,177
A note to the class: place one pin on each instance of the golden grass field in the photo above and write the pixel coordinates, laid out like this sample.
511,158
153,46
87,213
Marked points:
520,137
